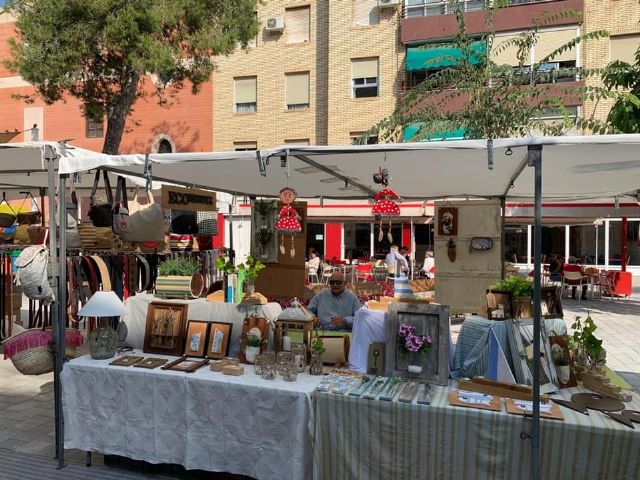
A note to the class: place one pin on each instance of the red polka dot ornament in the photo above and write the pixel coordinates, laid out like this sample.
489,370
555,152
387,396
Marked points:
384,205
288,220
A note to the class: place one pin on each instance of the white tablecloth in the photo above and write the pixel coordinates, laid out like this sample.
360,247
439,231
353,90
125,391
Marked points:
202,420
135,316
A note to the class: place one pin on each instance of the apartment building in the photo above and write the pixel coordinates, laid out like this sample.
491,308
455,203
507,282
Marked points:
185,124
319,73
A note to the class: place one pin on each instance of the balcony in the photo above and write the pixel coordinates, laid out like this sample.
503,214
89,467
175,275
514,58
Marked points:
425,20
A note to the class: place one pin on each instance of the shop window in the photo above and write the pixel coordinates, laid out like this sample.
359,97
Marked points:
315,238
364,75
515,243
245,89
357,240
297,22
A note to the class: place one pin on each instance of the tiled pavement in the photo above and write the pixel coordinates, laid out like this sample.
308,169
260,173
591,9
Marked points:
26,403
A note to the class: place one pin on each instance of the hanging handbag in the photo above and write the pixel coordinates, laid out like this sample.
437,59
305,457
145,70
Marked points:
147,223
207,223
30,217
7,218
100,215
184,222
21,236
121,209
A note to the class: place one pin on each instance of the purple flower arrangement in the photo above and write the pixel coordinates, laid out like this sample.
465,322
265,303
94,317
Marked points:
411,342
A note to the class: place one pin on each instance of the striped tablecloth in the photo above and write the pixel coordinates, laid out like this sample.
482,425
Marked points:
370,439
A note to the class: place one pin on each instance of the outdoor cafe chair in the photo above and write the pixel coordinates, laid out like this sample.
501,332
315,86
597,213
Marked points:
327,270
572,279
312,274
364,272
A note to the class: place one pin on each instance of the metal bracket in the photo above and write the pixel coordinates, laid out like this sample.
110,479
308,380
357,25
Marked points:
261,164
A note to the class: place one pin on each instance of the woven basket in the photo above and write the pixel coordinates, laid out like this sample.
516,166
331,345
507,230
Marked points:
33,361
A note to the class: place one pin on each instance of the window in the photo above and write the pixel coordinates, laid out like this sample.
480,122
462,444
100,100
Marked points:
296,23
550,40
95,129
357,139
515,243
624,47
364,12
364,74
297,90
252,43
164,146
427,8
245,94
303,142
245,146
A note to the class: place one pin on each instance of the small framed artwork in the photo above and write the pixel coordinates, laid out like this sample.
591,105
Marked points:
195,343
448,221
495,298
164,332
219,336
550,296
562,361
188,365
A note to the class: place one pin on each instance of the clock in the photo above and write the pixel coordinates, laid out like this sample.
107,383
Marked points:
481,243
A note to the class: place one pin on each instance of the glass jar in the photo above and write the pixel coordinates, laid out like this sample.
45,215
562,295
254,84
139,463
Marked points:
290,373
285,359
315,366
269,372
258,364
299,351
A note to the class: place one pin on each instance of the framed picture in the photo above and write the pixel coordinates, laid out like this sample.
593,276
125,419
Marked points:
219,336
495,298
188,365
422,319
562,361
520,334
448,221
195,343
164,332
550,296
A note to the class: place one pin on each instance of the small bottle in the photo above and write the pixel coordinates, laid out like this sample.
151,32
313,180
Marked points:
286,341
501,310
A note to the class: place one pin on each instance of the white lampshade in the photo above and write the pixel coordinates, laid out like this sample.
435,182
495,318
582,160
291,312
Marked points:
102,304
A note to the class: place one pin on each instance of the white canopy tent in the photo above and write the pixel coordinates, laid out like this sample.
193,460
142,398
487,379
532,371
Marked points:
574,168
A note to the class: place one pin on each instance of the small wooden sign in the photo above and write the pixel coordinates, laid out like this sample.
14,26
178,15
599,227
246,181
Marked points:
460,399
192,199
522,407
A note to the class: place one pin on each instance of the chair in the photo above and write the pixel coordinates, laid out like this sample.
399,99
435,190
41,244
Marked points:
349,273
606,285
364,272
327,270
312,273
572,279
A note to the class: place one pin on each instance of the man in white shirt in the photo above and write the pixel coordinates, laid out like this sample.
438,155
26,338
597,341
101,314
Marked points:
393,257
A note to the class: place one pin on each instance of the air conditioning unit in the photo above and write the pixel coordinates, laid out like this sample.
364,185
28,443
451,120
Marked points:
274,24
388,3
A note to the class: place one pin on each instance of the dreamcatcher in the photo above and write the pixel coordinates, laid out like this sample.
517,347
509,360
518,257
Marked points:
288,220
384,204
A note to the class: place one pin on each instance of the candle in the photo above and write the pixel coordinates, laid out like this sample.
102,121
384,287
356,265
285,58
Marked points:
286,343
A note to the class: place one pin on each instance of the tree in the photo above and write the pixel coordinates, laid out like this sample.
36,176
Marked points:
625,113
102,51
494,101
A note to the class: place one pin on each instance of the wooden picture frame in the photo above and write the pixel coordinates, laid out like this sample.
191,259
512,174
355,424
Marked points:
188,365
559,341
448,221
553,300
428,319
520,334
164,332
499,297
250,322
195,342
219,339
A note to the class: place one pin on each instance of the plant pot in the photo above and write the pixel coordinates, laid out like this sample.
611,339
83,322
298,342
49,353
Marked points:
522,307
250,353
564,373
249,286
176,286
315,365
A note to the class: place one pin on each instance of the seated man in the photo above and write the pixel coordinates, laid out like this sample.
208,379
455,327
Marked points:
335,308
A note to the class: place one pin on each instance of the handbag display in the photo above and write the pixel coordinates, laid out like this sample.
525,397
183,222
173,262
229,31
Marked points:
21,236
207,223
31,217
101,215
121,209
7,219
184,222
146,222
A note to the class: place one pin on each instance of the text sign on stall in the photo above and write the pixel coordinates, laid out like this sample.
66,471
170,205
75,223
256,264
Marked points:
194,199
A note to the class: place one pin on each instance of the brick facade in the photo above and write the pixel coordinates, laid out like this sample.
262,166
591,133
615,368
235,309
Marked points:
332,114
618,17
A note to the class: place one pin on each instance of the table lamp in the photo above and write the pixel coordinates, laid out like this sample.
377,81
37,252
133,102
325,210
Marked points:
103,341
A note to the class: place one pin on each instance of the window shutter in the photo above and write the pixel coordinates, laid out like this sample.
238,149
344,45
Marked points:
509,55
246,90
364,68
242,146
549,41
624,48
296,24
303,142
365,12
297,85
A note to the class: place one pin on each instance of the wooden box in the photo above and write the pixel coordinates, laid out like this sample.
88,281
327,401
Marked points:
428,319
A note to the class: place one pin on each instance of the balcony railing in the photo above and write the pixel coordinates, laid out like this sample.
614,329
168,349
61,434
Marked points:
429,8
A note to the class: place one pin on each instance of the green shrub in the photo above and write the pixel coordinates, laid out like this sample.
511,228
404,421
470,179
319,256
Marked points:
517,285
179,266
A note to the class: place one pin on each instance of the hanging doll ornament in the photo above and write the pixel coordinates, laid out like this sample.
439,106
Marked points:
384,205
288,219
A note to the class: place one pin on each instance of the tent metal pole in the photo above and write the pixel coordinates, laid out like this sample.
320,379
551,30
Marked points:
535,160
502,236
57,321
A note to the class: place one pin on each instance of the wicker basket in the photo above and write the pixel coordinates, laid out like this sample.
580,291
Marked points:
33,361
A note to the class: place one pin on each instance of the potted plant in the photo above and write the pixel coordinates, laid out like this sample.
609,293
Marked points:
254,342
585,346
264,208
179,278
251,268
317,349
521,291
410,342
263,239
561,360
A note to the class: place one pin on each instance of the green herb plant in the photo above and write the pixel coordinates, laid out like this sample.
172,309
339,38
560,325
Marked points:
584,342
253,340
560,357
178,266
251,267
518,286
317,345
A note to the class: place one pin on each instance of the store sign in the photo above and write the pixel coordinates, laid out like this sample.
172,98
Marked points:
194,199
